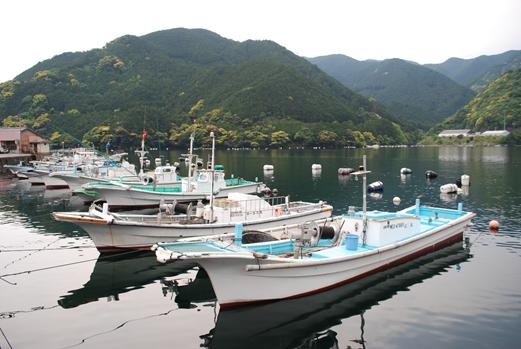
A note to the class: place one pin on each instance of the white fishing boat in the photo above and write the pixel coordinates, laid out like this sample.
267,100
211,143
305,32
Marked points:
121,195
112,231
363,243
199,185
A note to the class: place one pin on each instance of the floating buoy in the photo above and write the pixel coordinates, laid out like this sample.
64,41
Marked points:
268,167
405,170
375,186
493,225
465,180
316,167
430,174
344,171
396,200
449,188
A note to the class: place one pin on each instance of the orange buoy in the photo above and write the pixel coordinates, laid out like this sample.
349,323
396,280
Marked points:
493,225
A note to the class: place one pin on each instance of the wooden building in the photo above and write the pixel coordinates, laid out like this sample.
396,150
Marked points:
23,140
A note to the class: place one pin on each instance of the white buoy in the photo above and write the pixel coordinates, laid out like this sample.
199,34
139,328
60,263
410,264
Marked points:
268,167
316,167
465,180
396,200
405,170
449,188
157,162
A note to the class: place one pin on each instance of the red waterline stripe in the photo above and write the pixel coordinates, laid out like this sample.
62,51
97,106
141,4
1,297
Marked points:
107,249
447,242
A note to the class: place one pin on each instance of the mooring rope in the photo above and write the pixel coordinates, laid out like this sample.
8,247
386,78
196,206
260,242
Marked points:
7,340
120,326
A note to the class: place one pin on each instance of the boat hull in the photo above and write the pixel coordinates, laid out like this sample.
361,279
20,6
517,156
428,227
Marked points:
242,279
118,235
119,196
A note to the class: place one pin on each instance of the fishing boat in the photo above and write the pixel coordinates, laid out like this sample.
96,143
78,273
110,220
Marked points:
112,231
120,195
287,324
308,259
200,184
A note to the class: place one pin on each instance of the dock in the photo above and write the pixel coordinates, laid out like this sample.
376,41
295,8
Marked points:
13,159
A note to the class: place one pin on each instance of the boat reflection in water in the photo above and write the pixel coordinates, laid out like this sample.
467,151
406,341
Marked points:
198,290
306,322
124,272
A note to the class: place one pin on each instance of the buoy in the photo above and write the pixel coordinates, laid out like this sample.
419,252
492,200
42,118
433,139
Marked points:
268,167
344,171
405,170
465,180
493,225
157,161
449,188
396,200
430,174
375,186
316,167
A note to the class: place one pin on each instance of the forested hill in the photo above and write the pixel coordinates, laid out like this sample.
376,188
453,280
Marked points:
252,93
410,91
476,73
498,105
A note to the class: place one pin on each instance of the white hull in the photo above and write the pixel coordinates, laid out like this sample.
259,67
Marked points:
121,234
241,278
119,196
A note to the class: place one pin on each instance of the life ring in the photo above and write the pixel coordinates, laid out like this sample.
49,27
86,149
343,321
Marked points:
278,211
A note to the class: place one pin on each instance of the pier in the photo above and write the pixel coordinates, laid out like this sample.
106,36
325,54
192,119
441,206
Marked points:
13,159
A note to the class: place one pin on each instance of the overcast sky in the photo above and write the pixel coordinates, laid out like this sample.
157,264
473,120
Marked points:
425,31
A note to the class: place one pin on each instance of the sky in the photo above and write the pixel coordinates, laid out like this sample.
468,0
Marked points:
425,31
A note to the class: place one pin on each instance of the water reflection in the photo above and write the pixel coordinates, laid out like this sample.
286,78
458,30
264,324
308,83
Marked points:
116,274
316,173
448,197
306,322
494,154
376,195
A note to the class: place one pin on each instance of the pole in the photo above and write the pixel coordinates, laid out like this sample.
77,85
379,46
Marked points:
190,162
364,204
213,149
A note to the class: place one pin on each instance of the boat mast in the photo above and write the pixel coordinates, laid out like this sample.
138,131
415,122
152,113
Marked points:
213,175
364,191
142,152
190,162
213,148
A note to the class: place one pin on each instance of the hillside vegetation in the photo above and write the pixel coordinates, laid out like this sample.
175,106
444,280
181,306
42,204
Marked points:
497,106
174,82
410,91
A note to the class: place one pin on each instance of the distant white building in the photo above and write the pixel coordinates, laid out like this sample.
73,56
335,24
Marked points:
454,133
498,133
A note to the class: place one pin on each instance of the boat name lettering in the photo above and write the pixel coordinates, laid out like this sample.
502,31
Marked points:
397,225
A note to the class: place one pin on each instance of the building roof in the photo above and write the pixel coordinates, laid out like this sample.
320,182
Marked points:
10,133
454,132
496,133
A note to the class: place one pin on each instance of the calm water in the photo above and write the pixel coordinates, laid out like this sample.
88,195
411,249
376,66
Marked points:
465,296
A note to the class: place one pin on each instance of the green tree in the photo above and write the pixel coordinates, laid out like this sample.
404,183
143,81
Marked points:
279,139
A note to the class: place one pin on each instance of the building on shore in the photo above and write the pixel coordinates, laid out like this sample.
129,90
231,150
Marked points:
455,133
498,133
23,140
